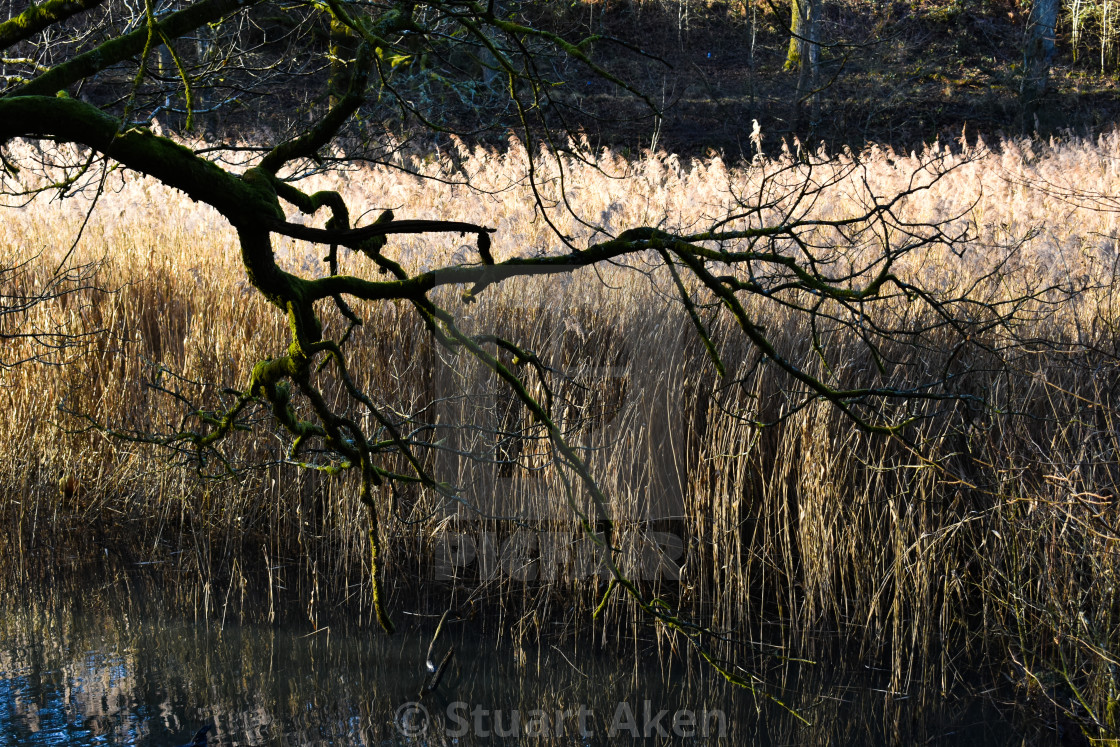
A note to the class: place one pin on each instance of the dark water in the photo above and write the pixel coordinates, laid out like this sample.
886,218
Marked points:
76,673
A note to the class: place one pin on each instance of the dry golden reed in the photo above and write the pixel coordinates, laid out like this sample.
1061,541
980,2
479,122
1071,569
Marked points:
981,534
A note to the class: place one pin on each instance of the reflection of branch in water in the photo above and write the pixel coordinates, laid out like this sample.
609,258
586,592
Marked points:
199,739
435,671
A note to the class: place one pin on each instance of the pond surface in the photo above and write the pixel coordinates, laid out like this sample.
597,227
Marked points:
93,671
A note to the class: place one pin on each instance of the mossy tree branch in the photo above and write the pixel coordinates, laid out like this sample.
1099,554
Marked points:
121,48
239,200
38,17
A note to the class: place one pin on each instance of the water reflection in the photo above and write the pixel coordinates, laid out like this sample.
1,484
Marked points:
120,674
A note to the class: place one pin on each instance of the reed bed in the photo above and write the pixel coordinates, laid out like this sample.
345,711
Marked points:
983,535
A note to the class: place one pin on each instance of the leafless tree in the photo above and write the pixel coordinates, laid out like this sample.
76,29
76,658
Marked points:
94,73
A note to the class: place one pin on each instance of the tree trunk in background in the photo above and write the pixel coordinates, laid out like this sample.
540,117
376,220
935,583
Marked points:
342,46
1038,54
203,100
802,11
804,55
167,71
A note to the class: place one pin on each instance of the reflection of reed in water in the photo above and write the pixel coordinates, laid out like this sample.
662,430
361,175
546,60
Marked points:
129,671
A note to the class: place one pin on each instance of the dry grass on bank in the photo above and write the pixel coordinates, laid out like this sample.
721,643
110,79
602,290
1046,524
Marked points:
999,543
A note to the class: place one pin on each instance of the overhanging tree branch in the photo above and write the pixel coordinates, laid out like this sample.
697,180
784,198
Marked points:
773,249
